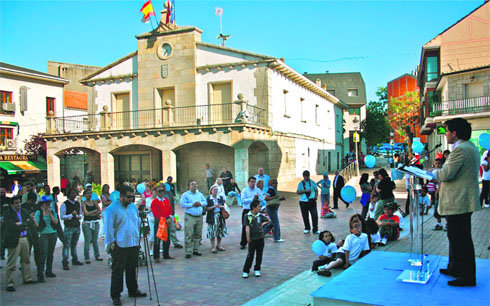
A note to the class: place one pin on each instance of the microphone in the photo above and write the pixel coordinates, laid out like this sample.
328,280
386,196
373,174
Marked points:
437,146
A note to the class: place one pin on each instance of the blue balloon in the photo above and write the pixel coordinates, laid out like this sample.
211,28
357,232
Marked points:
318,247
141,188
348,193
369,161
115,195
417,147
484,141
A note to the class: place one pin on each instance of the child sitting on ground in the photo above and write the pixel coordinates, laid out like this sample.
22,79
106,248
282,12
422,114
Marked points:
356,245
329,240
388,224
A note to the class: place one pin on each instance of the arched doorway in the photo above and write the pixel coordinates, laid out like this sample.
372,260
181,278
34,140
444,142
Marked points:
191,159
137,163
80,165
258,157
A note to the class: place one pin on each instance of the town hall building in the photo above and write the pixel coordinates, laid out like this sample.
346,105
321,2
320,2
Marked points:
176,104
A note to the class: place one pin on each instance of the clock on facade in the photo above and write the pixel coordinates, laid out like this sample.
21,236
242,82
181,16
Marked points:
164,50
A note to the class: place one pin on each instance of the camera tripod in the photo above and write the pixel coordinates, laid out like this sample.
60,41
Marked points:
144,230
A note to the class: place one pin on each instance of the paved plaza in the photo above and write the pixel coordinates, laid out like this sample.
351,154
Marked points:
215,279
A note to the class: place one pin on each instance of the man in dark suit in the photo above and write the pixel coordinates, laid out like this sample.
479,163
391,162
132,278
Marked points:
458,199
17,222
338,184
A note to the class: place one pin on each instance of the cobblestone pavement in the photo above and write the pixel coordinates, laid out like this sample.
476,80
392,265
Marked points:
215,279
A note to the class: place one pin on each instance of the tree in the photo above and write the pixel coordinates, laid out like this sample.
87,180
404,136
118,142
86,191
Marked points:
375,128
36,146
404,115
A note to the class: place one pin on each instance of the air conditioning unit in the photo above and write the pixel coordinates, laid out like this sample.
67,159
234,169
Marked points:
8,107
11,144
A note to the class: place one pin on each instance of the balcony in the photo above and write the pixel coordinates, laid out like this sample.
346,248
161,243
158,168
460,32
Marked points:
159,118
458,107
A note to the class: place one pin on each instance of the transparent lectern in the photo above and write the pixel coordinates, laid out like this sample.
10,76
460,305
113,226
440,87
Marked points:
419,271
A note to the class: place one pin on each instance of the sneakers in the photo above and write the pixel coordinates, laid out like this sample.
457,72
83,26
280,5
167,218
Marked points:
279,240
50,274
137,294
257,273
383,241
437,227
10,288
324,273
317,232
77,263
306,231
244,274
486,205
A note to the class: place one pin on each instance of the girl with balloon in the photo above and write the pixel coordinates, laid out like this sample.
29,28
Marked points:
325,248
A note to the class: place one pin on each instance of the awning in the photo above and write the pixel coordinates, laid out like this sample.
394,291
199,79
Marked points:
15,167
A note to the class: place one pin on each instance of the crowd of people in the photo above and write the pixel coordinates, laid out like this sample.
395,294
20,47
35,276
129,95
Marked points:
31,219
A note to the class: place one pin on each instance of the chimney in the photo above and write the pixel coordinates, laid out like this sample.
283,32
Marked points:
318,82
324,86
282,60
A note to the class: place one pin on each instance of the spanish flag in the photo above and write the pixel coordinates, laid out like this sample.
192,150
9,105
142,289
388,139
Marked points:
147,11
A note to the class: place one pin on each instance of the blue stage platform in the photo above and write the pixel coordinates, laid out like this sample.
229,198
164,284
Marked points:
372,280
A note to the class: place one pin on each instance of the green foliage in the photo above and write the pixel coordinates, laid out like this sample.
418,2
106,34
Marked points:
97,188
375,128
36,146
404,114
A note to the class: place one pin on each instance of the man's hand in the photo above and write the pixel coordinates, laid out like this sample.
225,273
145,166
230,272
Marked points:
256,197
196,204
248,240
74,213
32,215
113,246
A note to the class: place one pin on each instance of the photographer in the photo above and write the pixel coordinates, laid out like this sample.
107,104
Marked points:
122,241
17,222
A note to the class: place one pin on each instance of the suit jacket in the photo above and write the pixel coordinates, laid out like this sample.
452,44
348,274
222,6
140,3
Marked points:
11,230
340,184
459,191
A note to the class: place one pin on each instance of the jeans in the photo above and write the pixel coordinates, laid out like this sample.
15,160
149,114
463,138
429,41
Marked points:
90,235
308,208
255,246
124,260
71,235
47,243
34,246
272,211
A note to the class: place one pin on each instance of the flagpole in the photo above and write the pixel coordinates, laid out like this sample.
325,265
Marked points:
220,23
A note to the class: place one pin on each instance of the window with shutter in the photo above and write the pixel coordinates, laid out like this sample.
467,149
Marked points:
23,98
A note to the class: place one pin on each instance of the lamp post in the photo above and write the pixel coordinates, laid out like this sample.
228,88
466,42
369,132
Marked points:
392,142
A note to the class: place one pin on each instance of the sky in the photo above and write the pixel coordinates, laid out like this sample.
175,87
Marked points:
380,39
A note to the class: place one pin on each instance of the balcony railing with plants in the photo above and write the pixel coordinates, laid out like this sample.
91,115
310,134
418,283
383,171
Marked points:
165,117
461,106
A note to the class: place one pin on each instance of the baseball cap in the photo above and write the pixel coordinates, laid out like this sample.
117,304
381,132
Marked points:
88,184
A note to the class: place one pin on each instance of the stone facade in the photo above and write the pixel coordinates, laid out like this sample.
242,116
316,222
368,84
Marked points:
190,103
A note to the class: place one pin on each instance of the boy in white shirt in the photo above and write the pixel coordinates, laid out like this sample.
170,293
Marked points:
356,245
424,201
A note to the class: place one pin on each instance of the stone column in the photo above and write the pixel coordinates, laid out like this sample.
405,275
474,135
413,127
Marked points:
53,168
241,164
107,169
50,123
104,119
169,165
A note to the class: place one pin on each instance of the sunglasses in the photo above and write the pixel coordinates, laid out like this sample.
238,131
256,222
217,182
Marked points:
130,197
160,191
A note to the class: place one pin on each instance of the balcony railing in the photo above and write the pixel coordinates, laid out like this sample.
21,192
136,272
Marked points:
457,107
167,116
